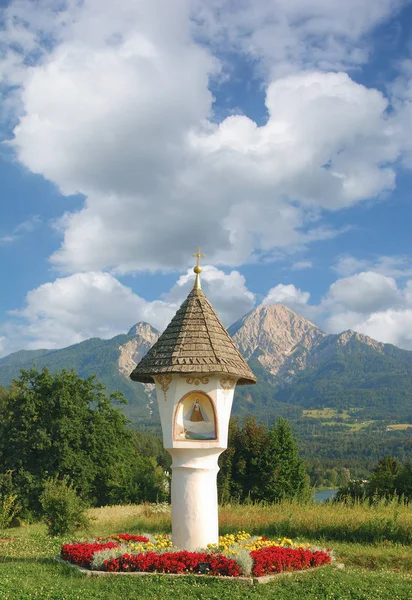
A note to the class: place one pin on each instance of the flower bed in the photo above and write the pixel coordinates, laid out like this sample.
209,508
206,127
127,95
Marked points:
235,555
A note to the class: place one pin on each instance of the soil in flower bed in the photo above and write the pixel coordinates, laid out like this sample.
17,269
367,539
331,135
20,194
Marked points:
235,555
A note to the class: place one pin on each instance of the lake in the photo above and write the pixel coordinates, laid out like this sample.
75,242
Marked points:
323,495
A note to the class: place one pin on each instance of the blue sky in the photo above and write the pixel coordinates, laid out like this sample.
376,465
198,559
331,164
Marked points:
275,134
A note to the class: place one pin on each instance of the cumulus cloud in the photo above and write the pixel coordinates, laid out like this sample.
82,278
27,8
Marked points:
287,35
235,187
391,266
294,298
96,304
119,108
286,294
365,292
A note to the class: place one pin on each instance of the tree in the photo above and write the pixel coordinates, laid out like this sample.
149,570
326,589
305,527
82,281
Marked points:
241,478
63,510
62,425
353,490
284,470
403,482
261,465
382,481
389,479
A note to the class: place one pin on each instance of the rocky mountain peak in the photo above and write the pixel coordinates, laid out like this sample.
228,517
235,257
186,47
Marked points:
143,330
349,335
276,336
143,336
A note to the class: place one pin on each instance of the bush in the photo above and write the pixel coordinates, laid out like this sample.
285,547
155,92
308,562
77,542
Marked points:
63,509
9,505
8,510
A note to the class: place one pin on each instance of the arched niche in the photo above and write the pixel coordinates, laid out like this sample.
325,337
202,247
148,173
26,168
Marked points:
195,418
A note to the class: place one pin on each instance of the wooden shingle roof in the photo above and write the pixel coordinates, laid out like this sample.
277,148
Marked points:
195,341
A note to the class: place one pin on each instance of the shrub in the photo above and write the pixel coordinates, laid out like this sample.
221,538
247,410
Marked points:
8,509
63,509
245,562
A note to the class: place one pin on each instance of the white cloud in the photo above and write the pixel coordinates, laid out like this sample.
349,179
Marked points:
284,35
291,34
293,297
391,266
119,110
364,293
302,264
349,265
85,305
286,294
95,304
325,143
231,187
27,226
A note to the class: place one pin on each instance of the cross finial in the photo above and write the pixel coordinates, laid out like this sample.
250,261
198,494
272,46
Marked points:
197,269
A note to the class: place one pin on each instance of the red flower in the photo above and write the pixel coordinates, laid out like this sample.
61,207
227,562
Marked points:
275,559
82,553
174,562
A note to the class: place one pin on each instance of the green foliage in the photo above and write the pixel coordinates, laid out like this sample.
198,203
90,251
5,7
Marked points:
9,509
63,509
9,505
284,470
383,480
389,480
93,357
403,482
62,425
261,464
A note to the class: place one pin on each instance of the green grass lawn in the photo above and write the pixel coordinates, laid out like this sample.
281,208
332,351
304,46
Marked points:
374,571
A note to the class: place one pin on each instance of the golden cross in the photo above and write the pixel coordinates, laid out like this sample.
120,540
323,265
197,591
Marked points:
197,269
198,256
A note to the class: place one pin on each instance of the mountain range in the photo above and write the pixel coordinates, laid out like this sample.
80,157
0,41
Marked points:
298,367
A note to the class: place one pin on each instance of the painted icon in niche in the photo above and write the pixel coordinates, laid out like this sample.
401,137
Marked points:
195,418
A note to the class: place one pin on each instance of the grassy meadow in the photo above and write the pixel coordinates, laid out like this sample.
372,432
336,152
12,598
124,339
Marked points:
374,543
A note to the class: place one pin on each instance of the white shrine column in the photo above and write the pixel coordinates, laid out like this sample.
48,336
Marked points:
195,461
195,522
